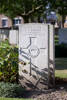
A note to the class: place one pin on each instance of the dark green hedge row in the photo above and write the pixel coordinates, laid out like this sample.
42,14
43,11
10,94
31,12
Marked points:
61,51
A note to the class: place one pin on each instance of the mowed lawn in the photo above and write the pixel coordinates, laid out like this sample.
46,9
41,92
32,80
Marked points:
61,67
13,99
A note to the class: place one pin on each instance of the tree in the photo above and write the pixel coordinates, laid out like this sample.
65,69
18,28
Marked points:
24,8
60,6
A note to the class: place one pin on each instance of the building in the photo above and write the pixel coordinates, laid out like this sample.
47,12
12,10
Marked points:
65,24
6,22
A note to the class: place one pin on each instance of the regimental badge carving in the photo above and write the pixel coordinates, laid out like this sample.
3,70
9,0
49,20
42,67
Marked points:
34,51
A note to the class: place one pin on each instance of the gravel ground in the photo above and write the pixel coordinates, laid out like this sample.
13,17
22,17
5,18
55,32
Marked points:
57,93
52,94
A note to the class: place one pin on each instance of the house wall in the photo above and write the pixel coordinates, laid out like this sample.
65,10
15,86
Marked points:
9,22
65,24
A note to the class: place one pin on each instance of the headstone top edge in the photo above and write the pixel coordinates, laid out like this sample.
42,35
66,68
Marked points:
63,29
42,24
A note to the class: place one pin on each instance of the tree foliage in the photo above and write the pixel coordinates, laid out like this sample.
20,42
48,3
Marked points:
24,8
60,6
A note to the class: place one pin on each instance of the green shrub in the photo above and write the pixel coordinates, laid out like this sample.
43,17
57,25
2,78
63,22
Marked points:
8,62
10,90
61,51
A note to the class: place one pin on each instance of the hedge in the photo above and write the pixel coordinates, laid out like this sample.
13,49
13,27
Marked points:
61,51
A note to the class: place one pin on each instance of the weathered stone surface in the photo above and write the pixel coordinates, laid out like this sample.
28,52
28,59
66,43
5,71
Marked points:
35,51
4,34
63,35
51,56
13,37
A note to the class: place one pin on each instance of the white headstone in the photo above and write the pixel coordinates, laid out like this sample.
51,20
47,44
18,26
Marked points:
13,37
63,35
34,51
51,56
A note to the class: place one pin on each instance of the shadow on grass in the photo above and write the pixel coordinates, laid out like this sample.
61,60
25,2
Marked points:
61,63
61,83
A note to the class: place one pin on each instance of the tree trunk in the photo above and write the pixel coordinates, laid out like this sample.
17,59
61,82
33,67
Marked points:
39,18
32,18
26,19
12,24
63,19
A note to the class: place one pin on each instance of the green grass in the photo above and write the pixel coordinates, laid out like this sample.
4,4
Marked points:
60,64
56,39
13,99
61,74
61,67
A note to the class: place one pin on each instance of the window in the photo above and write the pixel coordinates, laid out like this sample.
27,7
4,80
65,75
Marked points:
17,21
4,22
